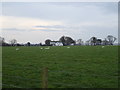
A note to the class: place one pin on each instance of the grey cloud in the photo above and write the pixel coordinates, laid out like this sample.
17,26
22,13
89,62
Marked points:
105,6
12,29
46,30
53,26
69,13
60,11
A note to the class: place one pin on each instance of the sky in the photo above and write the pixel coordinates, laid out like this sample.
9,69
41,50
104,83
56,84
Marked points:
37,21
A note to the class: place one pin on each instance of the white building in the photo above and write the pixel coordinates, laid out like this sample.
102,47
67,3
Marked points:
56,43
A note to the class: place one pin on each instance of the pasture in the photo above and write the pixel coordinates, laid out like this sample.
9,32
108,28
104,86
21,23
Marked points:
74,67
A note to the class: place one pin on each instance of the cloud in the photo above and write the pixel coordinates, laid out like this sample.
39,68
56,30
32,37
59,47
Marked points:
50,28
52,20
23,23
105,6
11,29
53,26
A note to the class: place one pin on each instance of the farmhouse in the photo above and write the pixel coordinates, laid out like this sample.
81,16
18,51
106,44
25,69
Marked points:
56,43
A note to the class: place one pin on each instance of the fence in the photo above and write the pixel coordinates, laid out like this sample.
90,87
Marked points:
44,79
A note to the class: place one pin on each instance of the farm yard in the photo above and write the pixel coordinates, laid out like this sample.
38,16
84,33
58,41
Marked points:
68,67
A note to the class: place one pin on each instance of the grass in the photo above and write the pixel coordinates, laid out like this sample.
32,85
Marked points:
76,67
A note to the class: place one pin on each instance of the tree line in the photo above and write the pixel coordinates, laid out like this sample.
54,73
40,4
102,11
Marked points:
64,41
109,40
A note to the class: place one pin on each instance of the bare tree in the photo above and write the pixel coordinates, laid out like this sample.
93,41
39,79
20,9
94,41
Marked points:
93,40
69,40
28,44
98,42
2,41
79,42
66,40
62,39
111,39
105,42
47,42
13,42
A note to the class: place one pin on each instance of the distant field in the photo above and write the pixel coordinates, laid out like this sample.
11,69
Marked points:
74,67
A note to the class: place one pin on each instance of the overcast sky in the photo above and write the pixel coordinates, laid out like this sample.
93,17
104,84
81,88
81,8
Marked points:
36,22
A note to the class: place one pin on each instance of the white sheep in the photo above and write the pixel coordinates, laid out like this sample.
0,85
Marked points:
17,49
41,48
103,46
68,47
47,48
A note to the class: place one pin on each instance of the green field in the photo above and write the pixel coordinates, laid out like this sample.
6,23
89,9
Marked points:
74,67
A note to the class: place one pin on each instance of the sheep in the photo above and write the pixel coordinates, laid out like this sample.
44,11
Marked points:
103,46
68,47
47,48
17,49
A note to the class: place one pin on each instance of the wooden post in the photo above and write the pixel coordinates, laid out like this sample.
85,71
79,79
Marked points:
45,78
